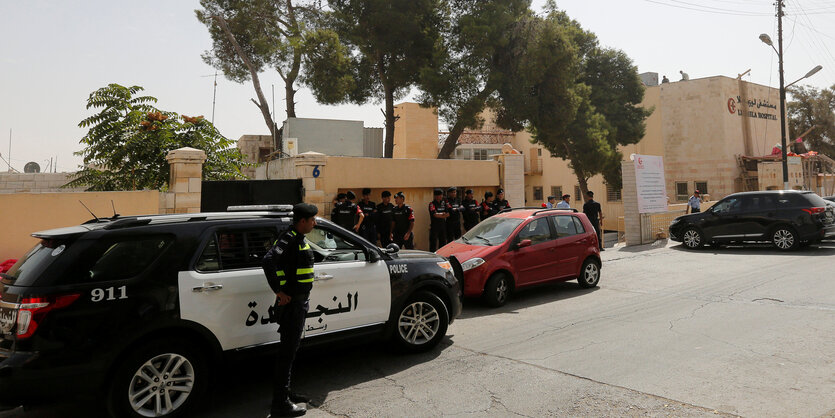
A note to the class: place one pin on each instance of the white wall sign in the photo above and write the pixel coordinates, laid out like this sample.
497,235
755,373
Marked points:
649,178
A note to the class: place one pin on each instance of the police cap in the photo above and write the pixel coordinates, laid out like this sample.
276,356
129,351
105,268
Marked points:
451,189
438,192
366,191
488,194
468,191
385,193
340,196
304,211
350,195
500,191
400,195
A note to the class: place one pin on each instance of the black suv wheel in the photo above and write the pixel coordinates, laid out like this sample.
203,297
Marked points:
692,238
163,378
784,238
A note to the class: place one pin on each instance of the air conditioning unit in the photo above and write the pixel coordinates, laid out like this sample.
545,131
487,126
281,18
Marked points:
291,146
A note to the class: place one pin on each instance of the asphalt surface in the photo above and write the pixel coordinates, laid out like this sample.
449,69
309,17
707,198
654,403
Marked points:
669,332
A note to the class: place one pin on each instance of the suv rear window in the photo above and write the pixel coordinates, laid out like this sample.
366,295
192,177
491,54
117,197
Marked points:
815,200
29,268
127,258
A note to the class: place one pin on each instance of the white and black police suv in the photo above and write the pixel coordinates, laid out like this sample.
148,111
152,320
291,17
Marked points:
142,310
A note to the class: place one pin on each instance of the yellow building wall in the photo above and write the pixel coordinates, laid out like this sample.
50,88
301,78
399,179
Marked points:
416,178
21,214
415,132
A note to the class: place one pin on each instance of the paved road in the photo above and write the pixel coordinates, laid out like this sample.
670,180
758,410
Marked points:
669,332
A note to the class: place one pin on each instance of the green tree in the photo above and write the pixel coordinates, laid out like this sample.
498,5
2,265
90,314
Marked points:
585,112
480,35
384,46
128,139
249,36
811,108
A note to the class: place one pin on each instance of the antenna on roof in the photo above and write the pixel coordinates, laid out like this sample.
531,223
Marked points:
115,215
88,210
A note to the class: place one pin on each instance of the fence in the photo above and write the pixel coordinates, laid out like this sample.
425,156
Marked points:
655,226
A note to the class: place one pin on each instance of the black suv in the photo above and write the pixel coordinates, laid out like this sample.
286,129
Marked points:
144,309
786,218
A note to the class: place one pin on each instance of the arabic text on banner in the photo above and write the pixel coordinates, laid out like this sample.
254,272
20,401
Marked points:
649,178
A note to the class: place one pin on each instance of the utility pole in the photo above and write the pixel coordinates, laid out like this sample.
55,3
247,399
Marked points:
214,97
782,95
9,155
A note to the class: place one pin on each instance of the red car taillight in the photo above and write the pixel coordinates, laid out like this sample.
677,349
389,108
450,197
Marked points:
32,311
813,211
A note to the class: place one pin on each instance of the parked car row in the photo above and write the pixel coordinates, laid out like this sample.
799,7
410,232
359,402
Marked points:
144,308
785,218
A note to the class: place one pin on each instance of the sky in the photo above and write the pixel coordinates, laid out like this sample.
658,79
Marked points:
53,54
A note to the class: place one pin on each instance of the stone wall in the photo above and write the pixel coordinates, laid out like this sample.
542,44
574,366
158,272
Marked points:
35,182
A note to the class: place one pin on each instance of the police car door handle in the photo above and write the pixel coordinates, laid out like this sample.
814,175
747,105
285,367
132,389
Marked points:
323,276
207,288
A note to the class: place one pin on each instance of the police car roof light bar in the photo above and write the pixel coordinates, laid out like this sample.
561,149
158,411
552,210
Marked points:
259,208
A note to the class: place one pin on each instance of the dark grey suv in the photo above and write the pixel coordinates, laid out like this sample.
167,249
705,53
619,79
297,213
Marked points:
786,218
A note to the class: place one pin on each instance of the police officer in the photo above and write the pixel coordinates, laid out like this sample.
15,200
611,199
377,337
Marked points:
349,214
453,223
500,203
288,266
403,223
438,214
470,210
368,229
488,209
385,211
340,199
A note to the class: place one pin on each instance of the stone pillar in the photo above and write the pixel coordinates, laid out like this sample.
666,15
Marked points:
310,168
512,178
631,217
186,180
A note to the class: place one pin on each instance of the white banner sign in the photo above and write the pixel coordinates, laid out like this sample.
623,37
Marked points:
649,177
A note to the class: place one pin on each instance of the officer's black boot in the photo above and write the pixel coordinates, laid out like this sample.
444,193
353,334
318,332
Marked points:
287,409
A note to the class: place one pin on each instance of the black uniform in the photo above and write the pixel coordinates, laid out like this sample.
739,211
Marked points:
384,217
470,209
437,226
288,266
592,209
500,205
368,229
453,223
488,209
347,213
403,217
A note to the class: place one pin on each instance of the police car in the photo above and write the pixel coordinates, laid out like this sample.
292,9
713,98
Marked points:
142,310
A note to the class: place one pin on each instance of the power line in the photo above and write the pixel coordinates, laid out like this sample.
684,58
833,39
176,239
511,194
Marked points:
709,9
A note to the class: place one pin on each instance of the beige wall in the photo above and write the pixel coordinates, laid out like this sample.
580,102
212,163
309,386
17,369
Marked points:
415,132
415,178
21,214
35,182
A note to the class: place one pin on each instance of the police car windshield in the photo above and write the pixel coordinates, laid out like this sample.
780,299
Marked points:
492,231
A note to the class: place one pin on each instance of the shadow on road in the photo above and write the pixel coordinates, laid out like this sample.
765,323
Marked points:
243,387
525,298
824,249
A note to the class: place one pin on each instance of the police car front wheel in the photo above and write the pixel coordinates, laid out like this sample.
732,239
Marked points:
422,322
159,379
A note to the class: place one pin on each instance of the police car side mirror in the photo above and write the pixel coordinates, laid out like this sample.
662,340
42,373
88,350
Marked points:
392,248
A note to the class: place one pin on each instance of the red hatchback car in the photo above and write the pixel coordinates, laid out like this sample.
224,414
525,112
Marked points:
523,247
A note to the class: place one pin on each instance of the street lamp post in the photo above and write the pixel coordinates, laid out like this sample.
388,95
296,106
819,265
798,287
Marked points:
767,40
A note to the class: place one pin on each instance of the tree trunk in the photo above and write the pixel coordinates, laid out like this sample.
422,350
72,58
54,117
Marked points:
256,82
289,91
584,186
470,109
451,141
389,122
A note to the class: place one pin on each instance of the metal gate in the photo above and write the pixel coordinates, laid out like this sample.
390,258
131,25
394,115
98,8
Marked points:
216,196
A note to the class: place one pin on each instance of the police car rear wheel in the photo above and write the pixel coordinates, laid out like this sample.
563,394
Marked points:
422,323
160,379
